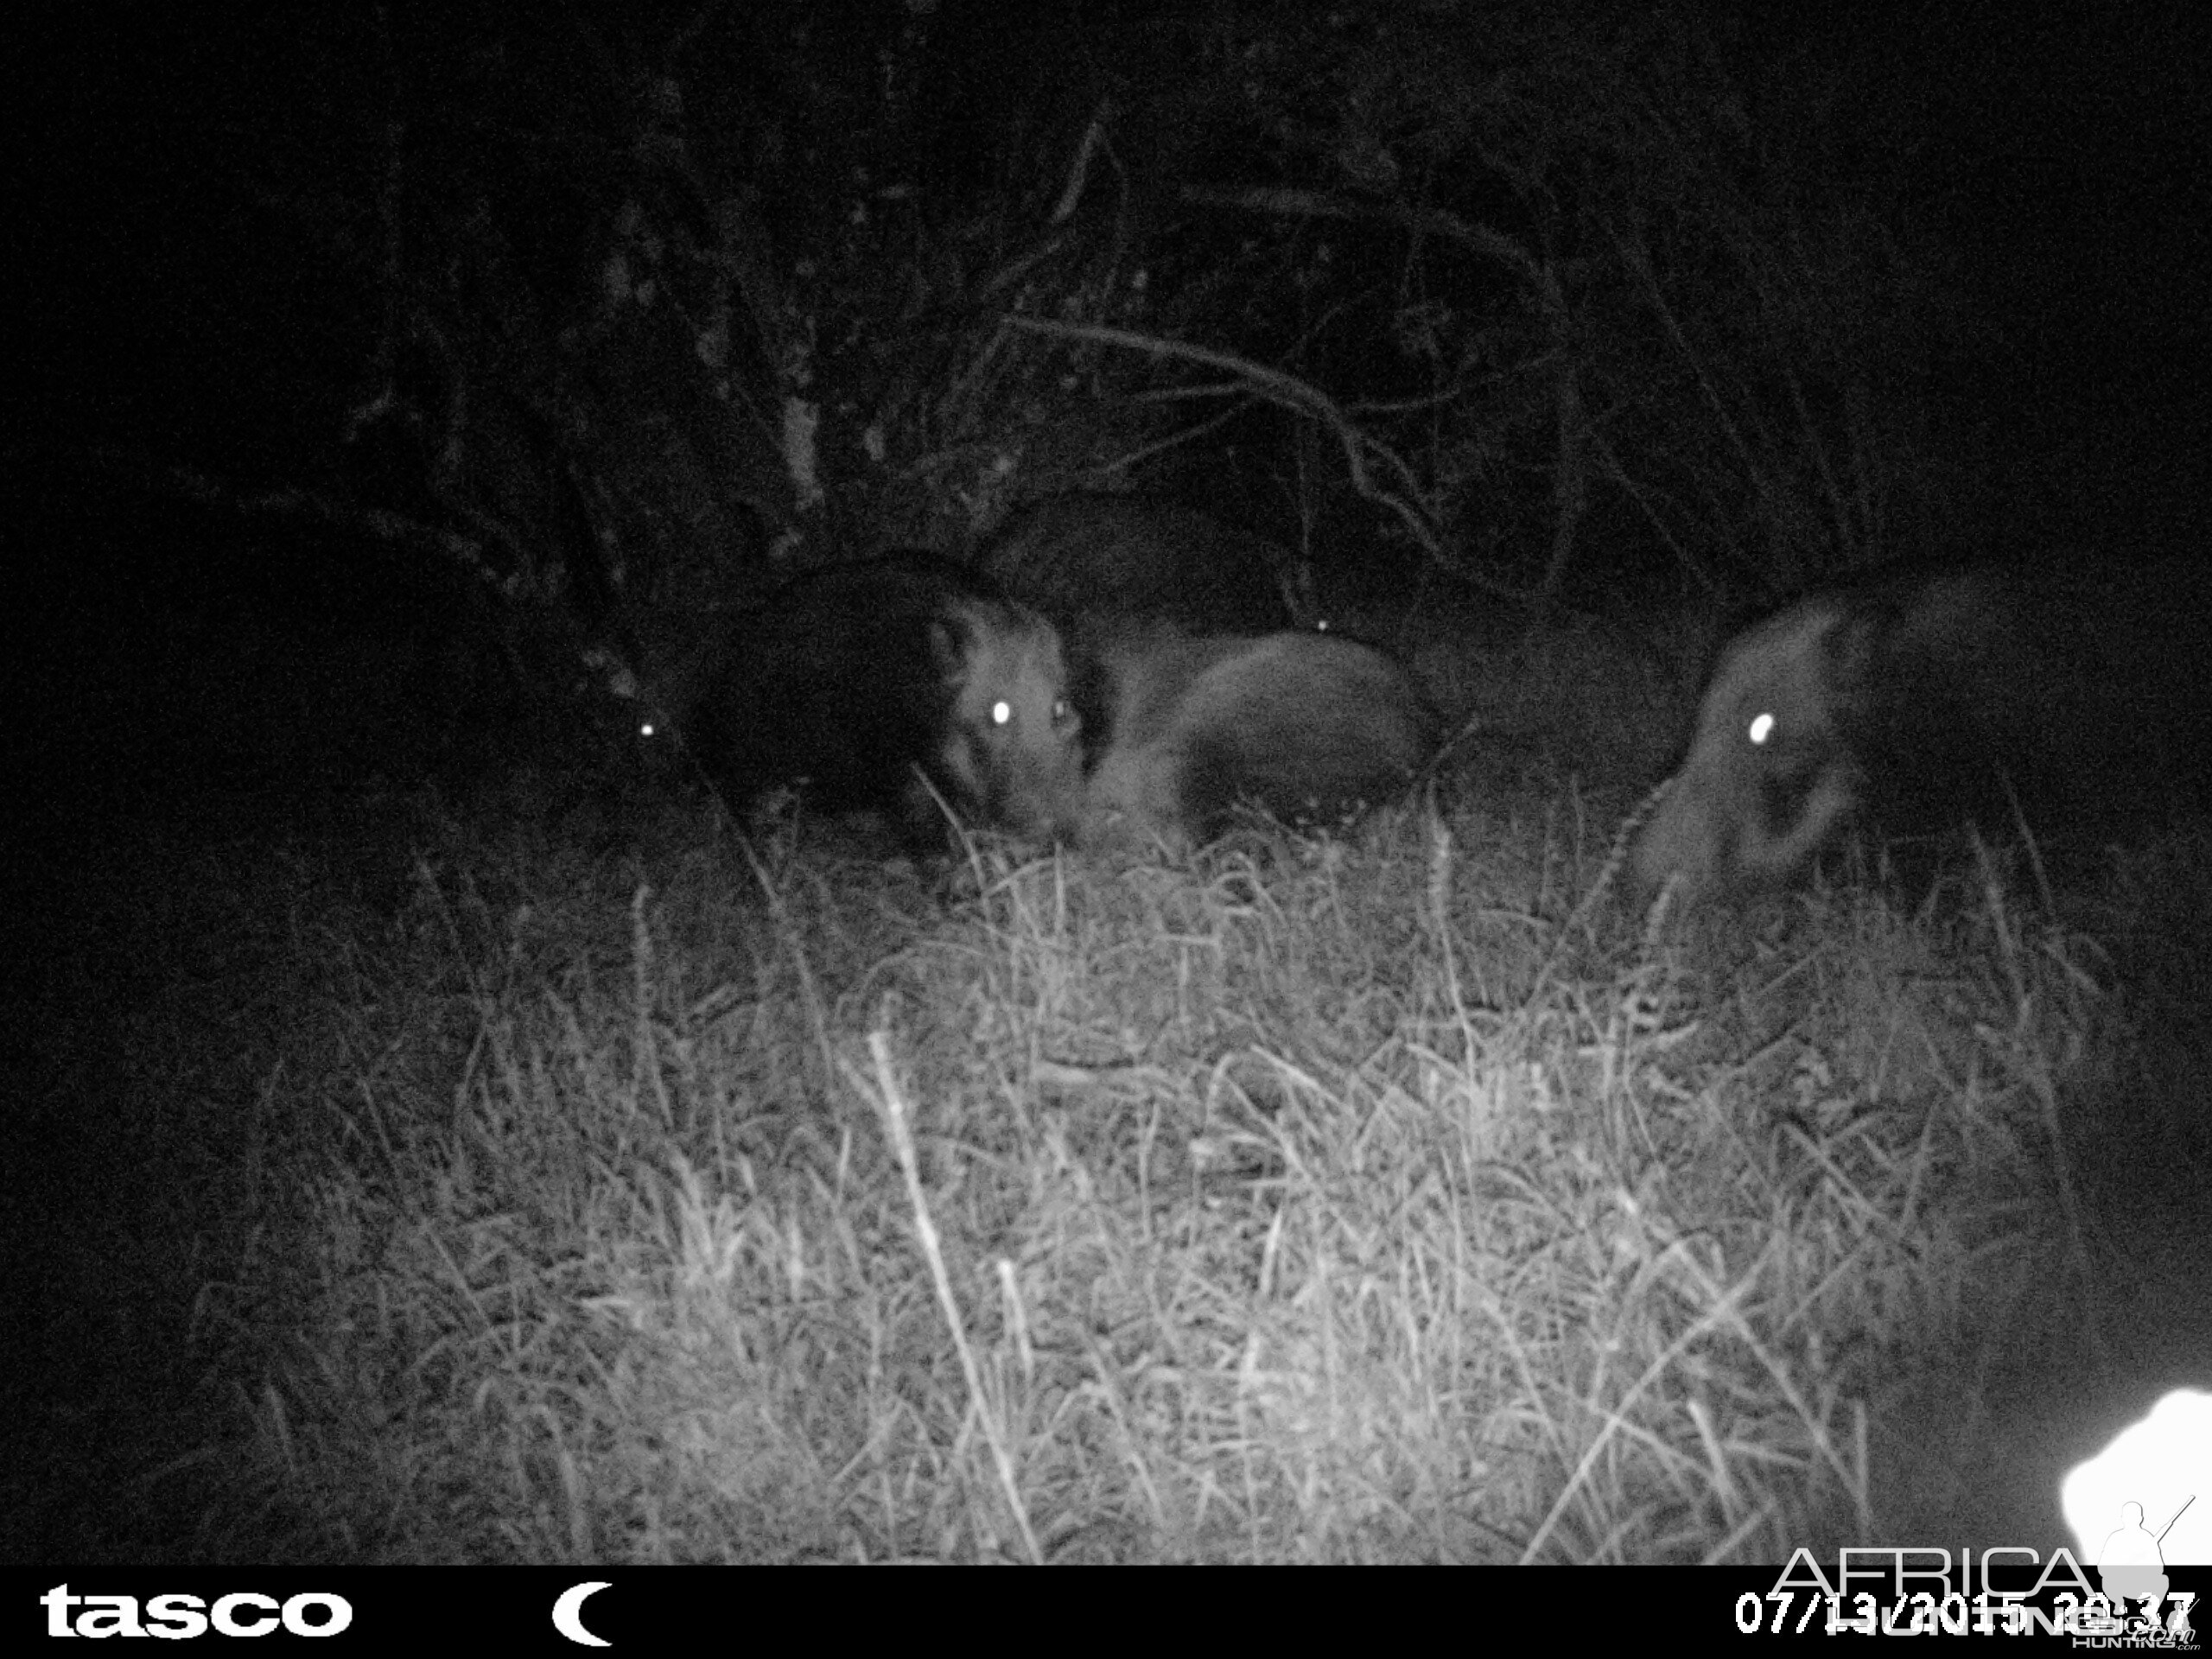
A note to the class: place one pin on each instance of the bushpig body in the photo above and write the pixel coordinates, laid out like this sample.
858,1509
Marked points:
2068,701
891,684
1308,728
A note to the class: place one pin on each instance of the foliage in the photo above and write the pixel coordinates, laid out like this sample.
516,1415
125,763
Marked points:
637,307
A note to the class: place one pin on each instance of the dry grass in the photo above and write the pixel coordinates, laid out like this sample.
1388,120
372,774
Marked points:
529,1179
1380,1200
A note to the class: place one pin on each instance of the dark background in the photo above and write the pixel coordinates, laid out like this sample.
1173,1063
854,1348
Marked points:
368,367
434,346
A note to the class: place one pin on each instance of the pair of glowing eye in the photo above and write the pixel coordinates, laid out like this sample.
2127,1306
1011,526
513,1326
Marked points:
1002,712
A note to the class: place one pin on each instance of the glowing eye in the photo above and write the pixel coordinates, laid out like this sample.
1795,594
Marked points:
1762,728
646,728
1001,713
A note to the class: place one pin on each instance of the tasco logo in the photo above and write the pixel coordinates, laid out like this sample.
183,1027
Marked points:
181,1618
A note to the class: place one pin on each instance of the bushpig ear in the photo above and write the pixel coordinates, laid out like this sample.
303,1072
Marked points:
952,646
1853,652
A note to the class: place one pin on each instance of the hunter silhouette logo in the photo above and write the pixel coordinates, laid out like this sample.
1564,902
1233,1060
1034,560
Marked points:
2131,1565
2160,1467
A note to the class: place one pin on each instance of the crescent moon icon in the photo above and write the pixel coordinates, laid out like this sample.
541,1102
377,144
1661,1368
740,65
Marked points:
568,1613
